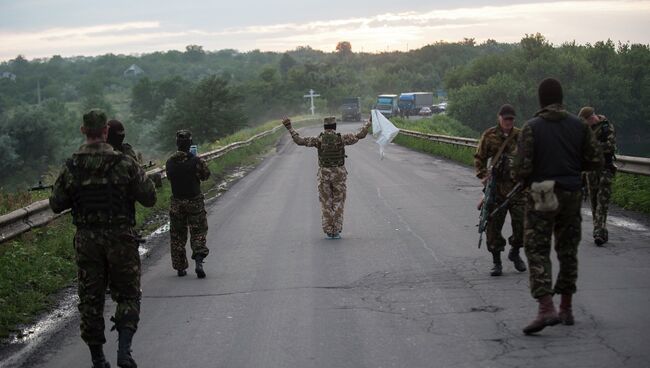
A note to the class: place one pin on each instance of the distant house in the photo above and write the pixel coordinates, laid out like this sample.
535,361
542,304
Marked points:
8,75
133,71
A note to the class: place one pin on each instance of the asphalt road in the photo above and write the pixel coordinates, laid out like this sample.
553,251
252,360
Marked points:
405,287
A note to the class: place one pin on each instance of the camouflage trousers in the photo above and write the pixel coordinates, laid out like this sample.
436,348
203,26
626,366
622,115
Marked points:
331,194
599,184
107,256
563,223
495,240
187,214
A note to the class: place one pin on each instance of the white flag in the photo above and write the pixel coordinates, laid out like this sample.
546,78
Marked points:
383,130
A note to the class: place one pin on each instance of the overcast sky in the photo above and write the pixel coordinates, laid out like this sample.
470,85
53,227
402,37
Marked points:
42,28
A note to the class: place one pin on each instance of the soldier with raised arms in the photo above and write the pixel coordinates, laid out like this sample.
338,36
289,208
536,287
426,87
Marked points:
332,174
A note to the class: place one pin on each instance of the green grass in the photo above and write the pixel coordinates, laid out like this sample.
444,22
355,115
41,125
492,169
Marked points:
32,268
632,192
437,124
463,155
37,264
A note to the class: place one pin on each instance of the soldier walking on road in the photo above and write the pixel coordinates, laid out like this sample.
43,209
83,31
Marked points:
101,186
185,172
116,139
553,149
499,144
332,174
599,182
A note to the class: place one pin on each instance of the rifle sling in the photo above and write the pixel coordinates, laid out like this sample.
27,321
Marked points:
495,160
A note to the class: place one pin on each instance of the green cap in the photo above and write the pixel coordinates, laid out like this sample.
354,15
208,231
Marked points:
94,119
586,112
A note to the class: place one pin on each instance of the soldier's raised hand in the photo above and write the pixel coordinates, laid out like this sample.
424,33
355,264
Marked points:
286,122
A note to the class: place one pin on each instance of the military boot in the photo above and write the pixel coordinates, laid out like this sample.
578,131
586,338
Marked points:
124,358
546,316
199,268
181,273
497,269
513,256
97,356
566,310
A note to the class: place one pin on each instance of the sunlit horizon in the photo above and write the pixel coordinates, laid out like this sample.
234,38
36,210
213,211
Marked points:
559,21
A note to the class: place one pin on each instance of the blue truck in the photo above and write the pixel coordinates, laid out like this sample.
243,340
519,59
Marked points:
410,103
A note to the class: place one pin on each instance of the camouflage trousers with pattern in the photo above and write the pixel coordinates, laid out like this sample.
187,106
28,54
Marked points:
107,256
539,227
331,194
599,184
495,240
184,215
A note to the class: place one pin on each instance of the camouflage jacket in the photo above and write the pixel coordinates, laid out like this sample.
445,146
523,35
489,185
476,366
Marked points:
99,164
605,135
348,139
540,160
128,150
488,146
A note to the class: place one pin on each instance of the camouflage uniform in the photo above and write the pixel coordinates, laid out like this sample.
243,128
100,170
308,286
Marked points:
105,242
332,175
488,146
128,150
540,157
599,183
187,209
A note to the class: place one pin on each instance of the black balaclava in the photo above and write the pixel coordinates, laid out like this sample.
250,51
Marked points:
115,134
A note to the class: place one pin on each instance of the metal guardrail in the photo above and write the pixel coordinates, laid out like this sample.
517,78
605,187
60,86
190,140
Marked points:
626,164
39,213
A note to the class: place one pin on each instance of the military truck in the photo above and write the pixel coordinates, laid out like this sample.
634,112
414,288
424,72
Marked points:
351,109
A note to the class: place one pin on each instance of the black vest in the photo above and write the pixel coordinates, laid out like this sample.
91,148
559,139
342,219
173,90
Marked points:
558,151
183,178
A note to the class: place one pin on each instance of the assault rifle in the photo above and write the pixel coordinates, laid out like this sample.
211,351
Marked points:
509,196
489,197
40,186
148,165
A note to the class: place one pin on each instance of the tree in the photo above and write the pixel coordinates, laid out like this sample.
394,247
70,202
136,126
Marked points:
194,53
210,110
344,48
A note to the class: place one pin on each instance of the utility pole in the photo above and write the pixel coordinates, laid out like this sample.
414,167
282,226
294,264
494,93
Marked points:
311,96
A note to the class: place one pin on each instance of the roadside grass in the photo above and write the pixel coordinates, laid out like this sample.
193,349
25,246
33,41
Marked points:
460,154
39,263
437,124
632,192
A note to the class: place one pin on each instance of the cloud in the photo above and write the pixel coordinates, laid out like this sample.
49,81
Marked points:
559,21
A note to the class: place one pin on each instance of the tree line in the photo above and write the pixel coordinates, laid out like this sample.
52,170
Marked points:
217,93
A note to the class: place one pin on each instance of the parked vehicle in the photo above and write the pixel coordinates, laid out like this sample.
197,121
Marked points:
351,109
425,111
410,103
387,105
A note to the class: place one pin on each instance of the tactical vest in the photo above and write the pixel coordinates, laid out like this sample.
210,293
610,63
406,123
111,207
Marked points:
183,178
100,204
331,152
558,151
